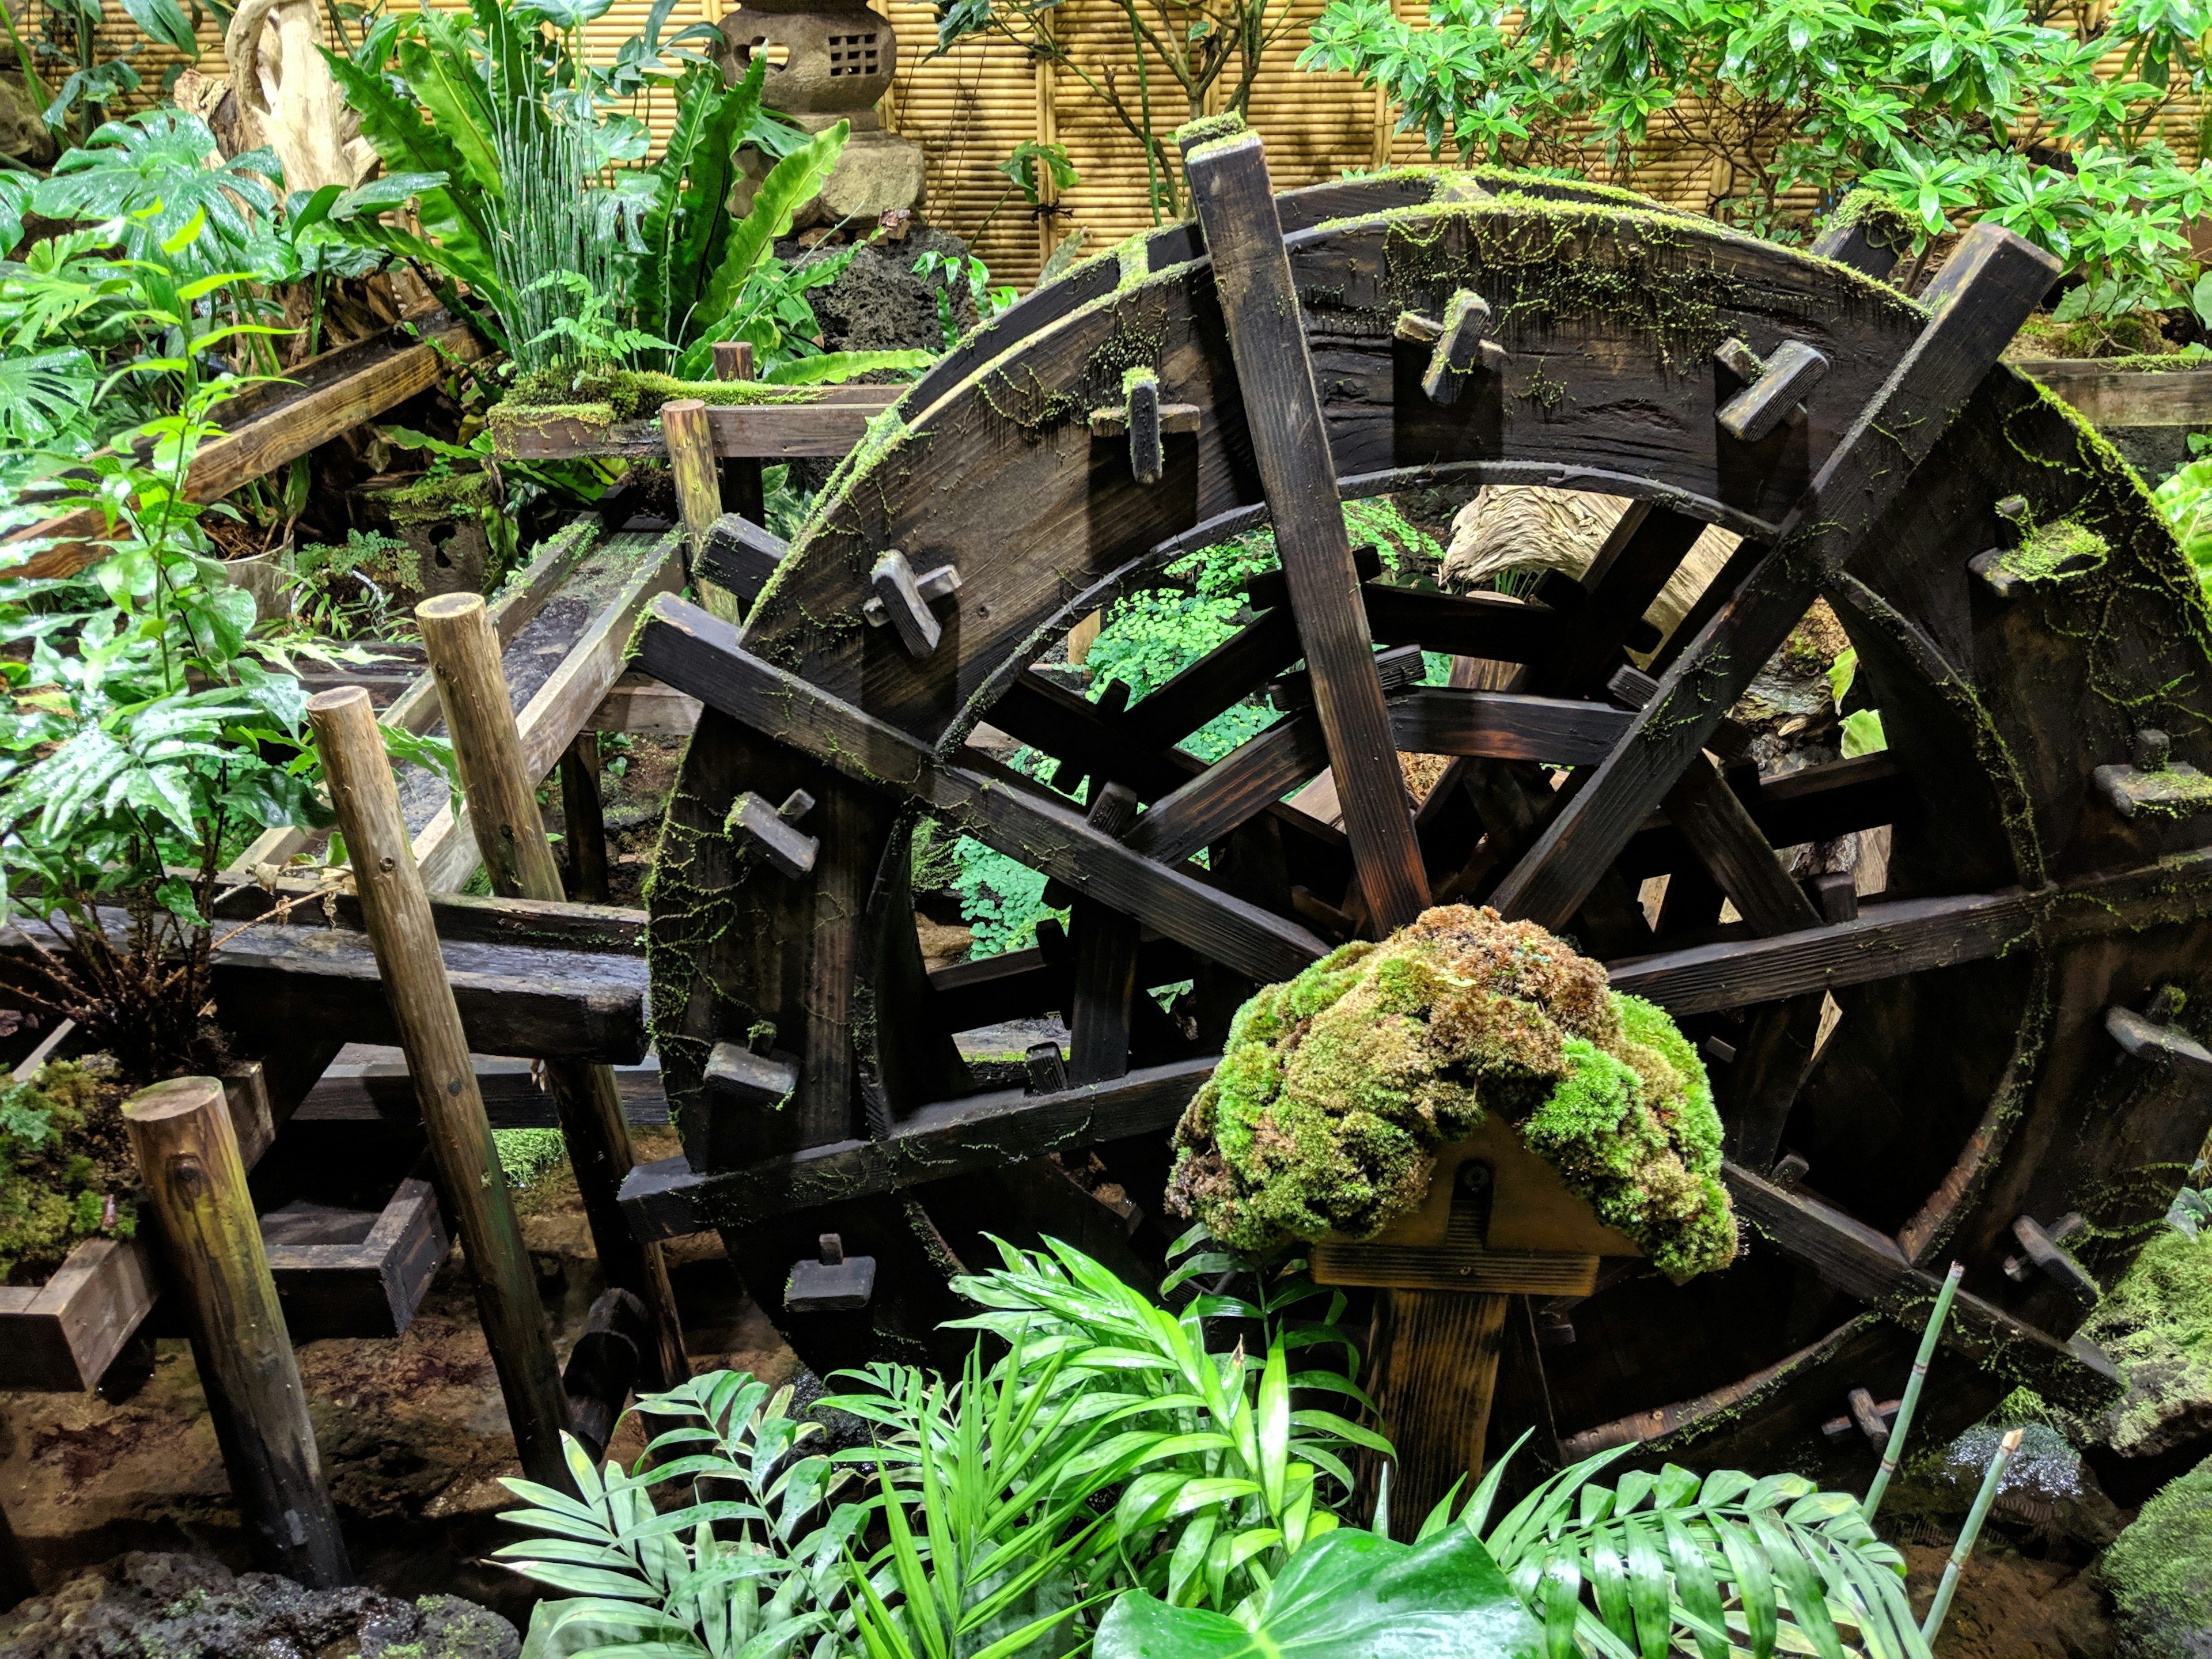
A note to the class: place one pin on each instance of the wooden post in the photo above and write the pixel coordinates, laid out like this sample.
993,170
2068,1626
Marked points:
1433,1372
581,811
464,655
188,1157
698,490
406,940
744,492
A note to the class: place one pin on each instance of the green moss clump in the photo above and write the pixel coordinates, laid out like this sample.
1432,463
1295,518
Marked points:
1210,129
1886,222
64,1153
435,497
2159,1570
1335,1089
2156,1325
633,394
2052,551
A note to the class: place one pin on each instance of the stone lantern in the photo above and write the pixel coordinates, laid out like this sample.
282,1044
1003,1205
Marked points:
829,61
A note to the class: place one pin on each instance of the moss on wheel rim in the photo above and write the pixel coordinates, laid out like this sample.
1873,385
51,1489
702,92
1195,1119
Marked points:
1336,1088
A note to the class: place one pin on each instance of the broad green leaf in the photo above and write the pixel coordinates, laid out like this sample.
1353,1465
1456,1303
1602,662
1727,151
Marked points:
1349,1593
790,185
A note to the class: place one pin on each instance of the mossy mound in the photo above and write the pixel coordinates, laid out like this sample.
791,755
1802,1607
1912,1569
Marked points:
2160,1572
1335,1089
2156,1324
63,1155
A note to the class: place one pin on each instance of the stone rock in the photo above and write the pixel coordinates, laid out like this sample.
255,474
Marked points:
2156,1324
2159,1573
23,135
149,1606
877,172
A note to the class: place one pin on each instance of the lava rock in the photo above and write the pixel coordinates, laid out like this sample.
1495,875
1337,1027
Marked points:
880,303
149,1606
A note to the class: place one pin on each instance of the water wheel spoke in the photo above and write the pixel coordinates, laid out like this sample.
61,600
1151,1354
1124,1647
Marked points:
697,653
1869,1265
1978,301
1229,184
1482,625
1260,770
1646,547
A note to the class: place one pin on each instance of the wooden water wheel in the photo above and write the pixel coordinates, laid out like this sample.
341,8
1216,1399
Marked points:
2009,1081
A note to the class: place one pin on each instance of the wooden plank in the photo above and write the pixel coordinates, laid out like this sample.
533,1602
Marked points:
379,1090
1234,200
684,646
1215,682
1106,943
1432,1376
1870,1265
358,383
1722,832
1262,769
1505,726
1816,803
446,850
371,1289
1489,625
769,431
2105,396
669,1199
638,702
461,918
1981,297
415,708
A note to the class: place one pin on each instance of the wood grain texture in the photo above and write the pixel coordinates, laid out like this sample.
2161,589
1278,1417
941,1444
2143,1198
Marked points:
398,909
1433,1373
669,1199
2109,396
371,1289
1230,187
187,1155
684,646
343,388
510,836
1977,302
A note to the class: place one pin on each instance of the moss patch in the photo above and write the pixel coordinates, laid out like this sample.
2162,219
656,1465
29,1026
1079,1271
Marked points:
2051,552
2159,1570
1335,1089
63,1154
2156,1324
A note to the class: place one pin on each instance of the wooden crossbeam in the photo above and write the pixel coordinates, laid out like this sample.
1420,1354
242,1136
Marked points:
1647,545
1234,200
1816,803
669,1199
1994,280
1869,1264
688,649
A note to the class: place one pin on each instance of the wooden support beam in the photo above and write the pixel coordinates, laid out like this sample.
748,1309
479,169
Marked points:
1234,200
684,646
511,838
469,1179
266,429
1433,1380
691,464
669,1200
1484,625
1870,1265
1991,283
1106,942
584,819
739,556
446,851
180,1133
743,489
1647,545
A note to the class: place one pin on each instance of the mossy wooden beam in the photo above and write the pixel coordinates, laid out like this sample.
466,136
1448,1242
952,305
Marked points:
684,646
669,1200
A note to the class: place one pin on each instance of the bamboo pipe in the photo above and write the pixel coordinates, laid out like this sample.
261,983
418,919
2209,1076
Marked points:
397,911
187,1153
465,657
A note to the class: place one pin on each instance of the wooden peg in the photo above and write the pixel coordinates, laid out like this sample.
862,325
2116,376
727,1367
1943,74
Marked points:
2156,783
2163,1045
832,1281
770,831
1140,390
741,556
1047,1068
1463,348
1866,1416
1835,895
2044,1254
691,443
902,601
1776,393
1739,360
733,360
188,1155
1399,669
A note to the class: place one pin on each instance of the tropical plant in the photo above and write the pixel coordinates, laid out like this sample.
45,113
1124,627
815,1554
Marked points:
985,1488
2186,498
1675,1561
142,744
752,1575
1228,1471
66,37
1946,107
542,217
1351,1592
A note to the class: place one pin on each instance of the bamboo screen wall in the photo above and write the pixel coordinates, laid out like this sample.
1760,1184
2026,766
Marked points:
968,108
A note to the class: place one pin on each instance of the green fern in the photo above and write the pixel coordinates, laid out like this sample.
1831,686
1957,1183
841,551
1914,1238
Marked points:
1715,1564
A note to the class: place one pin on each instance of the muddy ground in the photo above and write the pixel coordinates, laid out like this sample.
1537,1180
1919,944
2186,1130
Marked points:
412,1429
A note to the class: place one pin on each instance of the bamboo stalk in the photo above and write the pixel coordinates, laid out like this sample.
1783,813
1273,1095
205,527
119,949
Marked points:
1991,1479
464,655
397,911
1906,1406
188,1155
